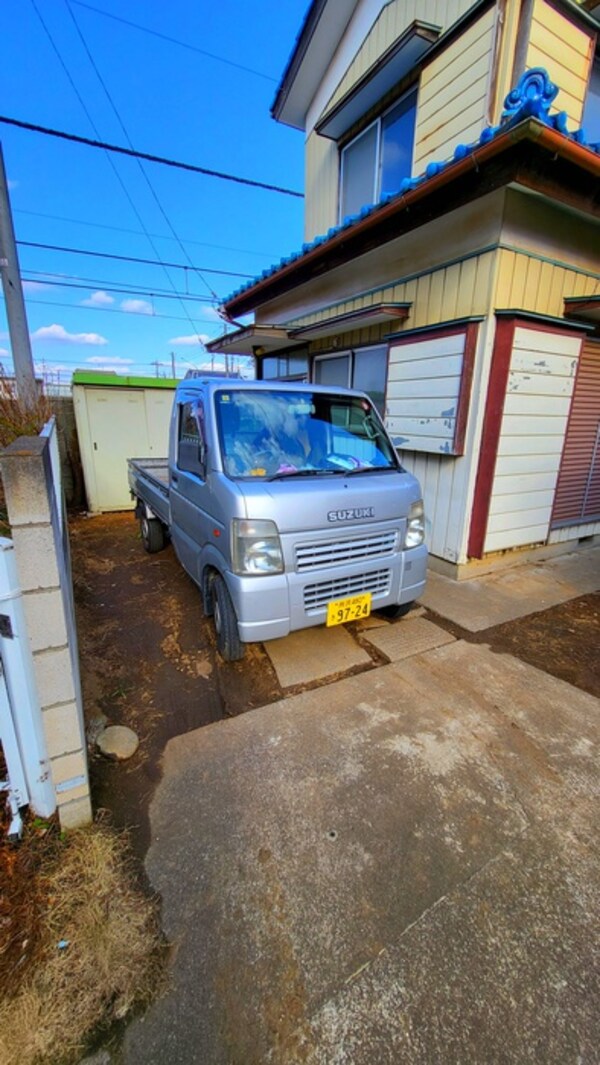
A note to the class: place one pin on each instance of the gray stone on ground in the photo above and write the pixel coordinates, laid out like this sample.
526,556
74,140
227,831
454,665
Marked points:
118,742
314,654
411,636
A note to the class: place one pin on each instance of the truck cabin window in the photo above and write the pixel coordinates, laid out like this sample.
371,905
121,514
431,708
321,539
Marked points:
279,434
190,440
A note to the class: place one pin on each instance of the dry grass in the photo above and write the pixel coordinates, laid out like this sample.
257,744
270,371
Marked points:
97,951
18,418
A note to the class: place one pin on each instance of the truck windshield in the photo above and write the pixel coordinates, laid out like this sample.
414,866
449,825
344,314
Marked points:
275,433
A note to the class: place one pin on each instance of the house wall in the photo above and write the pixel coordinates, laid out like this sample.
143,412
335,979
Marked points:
371,31
453,94
566,51
542,373
461,90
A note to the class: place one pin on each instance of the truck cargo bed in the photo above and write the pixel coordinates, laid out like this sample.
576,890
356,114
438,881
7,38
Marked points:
149,481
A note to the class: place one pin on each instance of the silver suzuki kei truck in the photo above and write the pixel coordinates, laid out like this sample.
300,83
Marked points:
286,503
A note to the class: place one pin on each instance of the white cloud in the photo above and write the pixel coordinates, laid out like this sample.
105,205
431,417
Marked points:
98,299
59,334
35,286
110,360
3,353
137,307
190,341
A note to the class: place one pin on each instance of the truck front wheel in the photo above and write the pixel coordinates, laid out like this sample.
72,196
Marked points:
397,610
153,534
229,644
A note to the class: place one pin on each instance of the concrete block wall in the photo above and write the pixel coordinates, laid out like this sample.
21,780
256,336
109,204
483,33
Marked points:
43,565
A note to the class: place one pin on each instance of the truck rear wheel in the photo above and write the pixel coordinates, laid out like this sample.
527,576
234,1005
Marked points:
229,644
153,534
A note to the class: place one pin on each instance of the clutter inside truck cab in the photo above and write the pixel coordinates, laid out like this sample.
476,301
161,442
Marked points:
280,434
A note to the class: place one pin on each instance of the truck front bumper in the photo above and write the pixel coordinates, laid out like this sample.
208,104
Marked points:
270,607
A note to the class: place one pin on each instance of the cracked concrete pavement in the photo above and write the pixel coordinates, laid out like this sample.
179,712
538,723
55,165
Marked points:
398,867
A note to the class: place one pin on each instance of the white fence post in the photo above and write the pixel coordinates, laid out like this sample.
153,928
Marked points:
17,661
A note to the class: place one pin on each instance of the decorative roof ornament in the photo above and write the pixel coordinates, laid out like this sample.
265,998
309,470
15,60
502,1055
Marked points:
531,98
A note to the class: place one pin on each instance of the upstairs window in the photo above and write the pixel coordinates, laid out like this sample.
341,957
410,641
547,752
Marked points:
376,161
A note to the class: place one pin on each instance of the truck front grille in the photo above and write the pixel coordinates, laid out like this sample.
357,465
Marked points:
339,552
317,596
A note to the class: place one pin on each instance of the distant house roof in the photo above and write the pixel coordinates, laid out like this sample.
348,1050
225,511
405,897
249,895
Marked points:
529,146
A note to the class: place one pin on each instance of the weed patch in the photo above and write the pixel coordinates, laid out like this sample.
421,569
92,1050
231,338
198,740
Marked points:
80,945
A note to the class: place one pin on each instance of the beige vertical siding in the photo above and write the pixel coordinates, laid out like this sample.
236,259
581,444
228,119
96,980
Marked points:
394,18
536,408
321,185
566,52
530,283
453,94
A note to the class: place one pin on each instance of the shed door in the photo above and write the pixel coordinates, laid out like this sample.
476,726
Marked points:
118,431
577,497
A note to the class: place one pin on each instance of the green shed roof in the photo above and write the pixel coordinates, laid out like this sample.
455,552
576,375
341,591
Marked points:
115,380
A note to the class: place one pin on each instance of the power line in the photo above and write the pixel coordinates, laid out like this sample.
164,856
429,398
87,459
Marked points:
125,258
95,129
76,139
174,40
139,232
131,292
48,276
141,167
114,310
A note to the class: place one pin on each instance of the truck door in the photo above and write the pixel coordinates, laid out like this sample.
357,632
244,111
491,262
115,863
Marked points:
191,521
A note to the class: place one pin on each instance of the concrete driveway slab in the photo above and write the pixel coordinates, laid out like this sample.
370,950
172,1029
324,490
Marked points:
314,654
411,636
489,600
398,867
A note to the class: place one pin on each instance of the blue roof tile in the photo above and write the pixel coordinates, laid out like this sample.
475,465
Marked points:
532,97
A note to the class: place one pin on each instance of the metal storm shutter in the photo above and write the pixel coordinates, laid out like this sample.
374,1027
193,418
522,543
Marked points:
577,497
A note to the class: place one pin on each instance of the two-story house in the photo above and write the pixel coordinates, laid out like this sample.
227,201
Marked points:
451,260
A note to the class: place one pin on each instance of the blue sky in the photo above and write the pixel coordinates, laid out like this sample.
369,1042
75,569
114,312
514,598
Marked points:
172,101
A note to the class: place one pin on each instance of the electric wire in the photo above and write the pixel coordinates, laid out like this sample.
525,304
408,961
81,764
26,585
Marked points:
175,40
113,310
141,167
110,160
124,258
131,292
43,277
136,154
138,232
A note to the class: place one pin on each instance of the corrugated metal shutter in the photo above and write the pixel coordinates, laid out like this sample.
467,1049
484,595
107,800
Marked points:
577,496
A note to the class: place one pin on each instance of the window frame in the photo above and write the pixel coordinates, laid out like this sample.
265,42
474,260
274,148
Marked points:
350,354
378,121
190,452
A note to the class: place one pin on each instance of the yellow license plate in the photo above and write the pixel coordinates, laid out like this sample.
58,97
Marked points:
341,610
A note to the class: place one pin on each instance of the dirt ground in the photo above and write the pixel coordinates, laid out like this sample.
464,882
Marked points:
149,659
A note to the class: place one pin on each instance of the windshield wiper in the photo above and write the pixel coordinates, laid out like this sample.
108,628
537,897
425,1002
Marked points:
299,473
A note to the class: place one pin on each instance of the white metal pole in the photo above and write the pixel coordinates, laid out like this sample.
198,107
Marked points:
13,295
22,691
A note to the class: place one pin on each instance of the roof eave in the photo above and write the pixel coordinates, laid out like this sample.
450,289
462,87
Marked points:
305,267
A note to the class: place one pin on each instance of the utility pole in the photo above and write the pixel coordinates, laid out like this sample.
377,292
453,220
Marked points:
13,295
156,365
173,374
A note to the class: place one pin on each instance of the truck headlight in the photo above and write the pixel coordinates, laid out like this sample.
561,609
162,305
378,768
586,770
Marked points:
415,526
255,548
